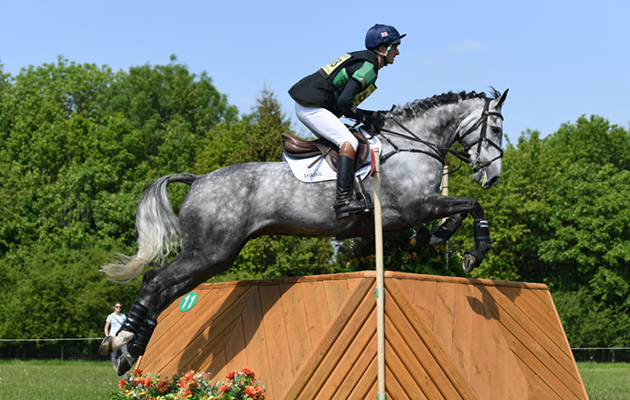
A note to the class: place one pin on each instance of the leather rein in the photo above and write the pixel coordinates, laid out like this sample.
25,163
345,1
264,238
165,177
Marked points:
439,153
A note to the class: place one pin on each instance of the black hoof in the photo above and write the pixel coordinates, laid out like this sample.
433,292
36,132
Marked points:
106,346
124,364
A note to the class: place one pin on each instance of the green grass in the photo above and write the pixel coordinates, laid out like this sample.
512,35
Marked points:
56,380
606,381
78,380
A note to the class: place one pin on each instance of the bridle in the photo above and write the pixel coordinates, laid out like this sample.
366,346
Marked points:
439,153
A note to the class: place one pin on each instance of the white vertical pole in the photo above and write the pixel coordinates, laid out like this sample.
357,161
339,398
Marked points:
445,193
380,279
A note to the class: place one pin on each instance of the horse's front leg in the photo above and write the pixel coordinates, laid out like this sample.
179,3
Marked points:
457,209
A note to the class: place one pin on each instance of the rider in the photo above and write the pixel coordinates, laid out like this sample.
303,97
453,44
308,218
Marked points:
336,90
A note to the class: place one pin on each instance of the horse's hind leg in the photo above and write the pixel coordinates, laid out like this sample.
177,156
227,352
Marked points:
159,288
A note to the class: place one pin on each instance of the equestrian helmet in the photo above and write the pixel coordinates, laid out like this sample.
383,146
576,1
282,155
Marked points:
382,34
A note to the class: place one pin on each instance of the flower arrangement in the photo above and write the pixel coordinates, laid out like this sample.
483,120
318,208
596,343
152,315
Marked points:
190,386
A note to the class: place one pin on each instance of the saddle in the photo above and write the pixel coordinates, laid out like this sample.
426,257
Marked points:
300,148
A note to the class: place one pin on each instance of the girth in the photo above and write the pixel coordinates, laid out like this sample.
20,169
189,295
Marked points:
300,148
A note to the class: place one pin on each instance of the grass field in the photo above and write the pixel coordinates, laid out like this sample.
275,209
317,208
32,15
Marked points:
76,380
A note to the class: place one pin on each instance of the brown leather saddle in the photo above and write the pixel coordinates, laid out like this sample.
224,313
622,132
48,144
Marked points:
300,148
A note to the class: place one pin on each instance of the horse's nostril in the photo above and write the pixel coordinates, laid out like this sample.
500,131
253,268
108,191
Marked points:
493,181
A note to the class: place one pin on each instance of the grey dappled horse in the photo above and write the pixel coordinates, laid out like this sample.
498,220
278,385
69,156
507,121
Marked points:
226,208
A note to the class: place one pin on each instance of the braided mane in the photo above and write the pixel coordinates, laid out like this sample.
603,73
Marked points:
421,106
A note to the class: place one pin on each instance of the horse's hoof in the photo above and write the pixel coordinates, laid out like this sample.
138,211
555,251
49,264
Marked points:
469,263
124,364
106,346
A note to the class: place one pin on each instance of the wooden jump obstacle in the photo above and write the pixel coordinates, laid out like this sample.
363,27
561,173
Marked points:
315,338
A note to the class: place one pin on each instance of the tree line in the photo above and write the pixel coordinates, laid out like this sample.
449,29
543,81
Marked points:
79,143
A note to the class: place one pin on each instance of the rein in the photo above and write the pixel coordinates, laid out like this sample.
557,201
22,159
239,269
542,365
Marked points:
439,153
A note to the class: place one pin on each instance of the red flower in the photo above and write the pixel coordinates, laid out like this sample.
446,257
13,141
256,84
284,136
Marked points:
230,376
249,372
121,383
137,371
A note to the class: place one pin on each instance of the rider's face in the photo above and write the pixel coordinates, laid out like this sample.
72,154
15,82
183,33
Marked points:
392,53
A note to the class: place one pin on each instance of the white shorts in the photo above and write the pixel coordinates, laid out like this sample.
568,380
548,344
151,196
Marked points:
325,124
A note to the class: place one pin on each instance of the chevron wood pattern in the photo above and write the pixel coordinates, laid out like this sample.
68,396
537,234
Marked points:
315,338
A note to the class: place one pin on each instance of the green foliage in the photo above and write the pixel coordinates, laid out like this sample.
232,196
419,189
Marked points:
401,253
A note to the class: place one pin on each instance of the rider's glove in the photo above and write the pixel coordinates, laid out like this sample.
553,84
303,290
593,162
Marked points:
374,123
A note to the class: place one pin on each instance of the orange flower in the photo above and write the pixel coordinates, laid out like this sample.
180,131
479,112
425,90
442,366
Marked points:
162,385
250,391
249,372
121,383
230,376
137,371
224,388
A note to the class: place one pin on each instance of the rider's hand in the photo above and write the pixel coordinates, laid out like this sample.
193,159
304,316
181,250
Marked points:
374,122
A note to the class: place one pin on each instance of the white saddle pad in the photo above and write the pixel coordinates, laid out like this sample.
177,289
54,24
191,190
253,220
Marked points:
321,171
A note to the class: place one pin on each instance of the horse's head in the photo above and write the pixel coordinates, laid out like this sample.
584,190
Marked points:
481,134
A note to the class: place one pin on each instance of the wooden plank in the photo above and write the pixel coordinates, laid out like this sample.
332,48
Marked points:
206,355
481,365
300,345
321,349
340,347
424,301
367,384
276,334
462,329
235,348
455,378
316,306
193,340
444,314
398,380
404,352
216,367
556,361
537,388
538,313
500,364
367,355
254,336
336,294
529,350
170,329
516,383
349,358
566,341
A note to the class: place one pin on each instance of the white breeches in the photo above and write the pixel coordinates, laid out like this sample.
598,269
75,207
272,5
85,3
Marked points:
325,124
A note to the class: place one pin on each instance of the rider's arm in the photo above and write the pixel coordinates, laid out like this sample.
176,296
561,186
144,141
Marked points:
359,73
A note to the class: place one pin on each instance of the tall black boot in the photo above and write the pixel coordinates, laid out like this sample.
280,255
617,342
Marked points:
346,204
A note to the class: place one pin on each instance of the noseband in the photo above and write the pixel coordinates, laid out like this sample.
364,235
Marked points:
439,153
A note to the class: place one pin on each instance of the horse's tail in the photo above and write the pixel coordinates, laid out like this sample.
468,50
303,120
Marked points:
158,230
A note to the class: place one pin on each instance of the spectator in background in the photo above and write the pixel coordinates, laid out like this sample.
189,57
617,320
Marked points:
112,324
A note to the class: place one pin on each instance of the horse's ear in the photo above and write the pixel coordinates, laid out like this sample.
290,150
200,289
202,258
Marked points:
500,100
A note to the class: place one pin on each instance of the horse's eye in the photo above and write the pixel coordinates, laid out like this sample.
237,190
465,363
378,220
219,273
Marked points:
496,129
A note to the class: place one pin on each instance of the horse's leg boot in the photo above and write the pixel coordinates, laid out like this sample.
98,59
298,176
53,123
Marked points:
129,328
345,204
143,337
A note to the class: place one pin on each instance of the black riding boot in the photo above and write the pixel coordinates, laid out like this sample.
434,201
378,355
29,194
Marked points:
346,204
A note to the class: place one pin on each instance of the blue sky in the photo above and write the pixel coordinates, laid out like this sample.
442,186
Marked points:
560,59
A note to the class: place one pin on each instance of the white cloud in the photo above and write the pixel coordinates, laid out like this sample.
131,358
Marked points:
467,45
